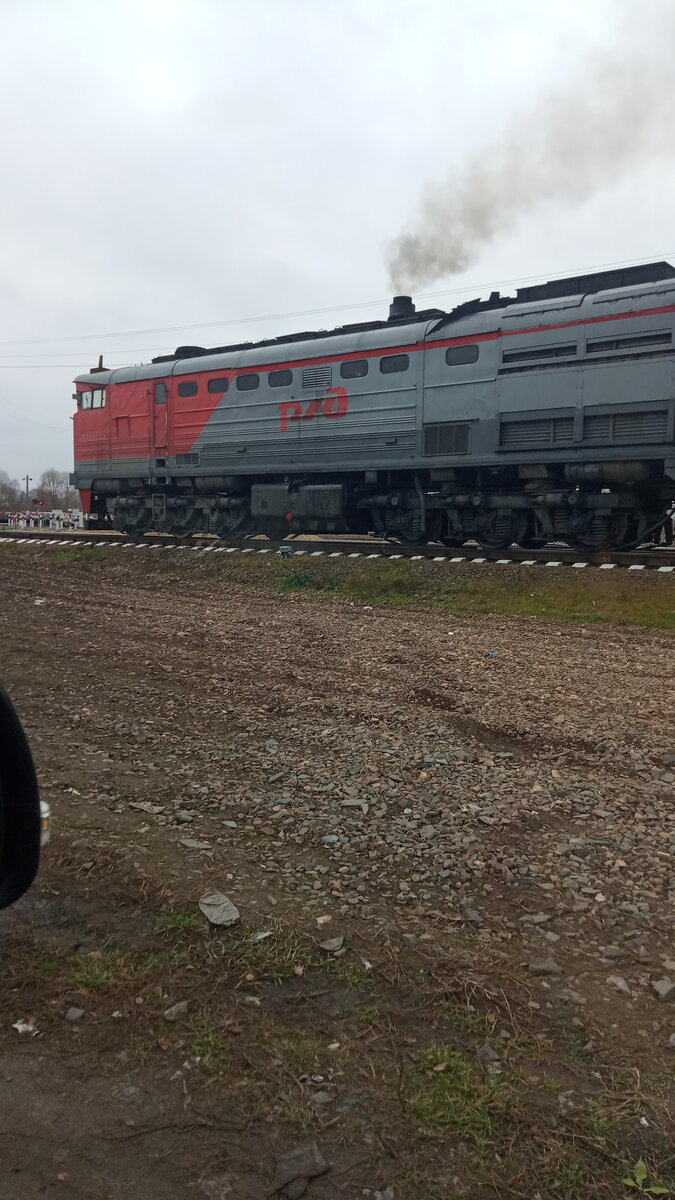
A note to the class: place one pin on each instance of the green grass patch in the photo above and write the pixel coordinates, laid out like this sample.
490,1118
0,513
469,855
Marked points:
212,1051
175,923
92,974
454,1093
368,1014
590,596
584,597
301,1053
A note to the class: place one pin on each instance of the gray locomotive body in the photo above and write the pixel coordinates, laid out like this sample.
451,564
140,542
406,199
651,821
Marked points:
545,416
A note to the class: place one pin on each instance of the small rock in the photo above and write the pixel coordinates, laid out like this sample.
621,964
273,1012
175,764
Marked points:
671,1041
535,918
664,988
428,832
191,844
544,966
355,802
260,937
184,817
612,952
218,909
303,1162
176,1011
487,1055
75,1014
332,944
321,1098
387,1194
470,914
618,982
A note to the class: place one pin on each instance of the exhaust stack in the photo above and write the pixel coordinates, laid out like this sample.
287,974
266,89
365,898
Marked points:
400,307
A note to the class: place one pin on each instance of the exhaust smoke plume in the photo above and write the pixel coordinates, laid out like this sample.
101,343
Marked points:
616,112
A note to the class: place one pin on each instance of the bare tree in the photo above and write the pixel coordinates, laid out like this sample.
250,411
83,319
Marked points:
55,491
10,492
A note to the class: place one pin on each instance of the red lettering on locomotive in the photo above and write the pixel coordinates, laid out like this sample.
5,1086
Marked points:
333,404
290,410
312,409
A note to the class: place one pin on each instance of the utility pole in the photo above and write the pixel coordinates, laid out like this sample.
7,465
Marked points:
27,480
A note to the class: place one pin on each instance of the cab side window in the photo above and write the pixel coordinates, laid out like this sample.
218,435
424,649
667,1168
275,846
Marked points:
160,393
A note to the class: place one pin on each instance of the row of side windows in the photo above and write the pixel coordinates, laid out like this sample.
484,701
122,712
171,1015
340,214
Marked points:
354,368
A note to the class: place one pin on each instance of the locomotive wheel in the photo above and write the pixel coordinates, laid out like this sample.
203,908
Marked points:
233,531
410,532
135,524
600,533
496,530
185,524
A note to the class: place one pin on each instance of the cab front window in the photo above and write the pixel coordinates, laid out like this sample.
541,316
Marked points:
93,399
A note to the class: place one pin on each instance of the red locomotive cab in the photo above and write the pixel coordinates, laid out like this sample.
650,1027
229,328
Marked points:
91,428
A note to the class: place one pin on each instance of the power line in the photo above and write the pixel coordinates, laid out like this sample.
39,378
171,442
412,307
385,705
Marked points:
309,312
43,366
69,353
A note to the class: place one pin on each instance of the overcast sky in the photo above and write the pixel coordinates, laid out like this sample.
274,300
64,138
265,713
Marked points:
183,162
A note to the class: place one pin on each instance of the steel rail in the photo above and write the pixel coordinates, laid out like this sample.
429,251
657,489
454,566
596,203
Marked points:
662,559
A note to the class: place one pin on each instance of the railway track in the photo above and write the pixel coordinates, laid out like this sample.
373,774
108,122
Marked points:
649,558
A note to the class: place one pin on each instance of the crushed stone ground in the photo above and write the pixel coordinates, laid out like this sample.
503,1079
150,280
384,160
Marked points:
420,774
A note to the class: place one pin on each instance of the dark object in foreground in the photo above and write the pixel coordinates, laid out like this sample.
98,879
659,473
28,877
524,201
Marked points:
20,819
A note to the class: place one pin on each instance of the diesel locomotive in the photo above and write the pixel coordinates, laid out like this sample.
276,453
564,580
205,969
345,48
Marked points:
548,415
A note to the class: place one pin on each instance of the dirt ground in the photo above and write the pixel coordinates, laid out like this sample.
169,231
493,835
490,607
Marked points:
474,814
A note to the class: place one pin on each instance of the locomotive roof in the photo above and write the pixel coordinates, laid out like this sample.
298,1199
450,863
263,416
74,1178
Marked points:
417,325
573,284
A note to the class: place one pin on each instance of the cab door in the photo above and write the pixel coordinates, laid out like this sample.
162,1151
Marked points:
159,420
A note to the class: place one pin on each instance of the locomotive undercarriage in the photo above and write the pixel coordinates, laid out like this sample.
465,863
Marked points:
598,507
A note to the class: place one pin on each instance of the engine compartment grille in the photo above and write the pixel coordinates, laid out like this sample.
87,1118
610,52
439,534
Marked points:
317,378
